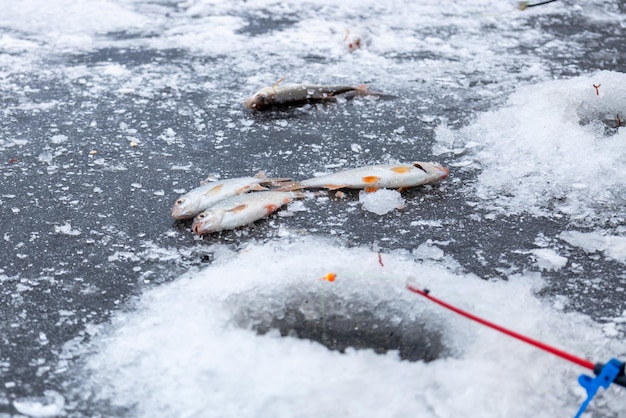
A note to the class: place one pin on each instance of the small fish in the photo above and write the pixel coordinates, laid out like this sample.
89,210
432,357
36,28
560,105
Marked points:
195,201
371,178
296,94
241,210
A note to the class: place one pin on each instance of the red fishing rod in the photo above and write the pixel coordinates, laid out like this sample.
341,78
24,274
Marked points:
611,372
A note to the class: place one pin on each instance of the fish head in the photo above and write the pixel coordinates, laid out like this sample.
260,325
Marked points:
208,221
184,208
262,99
434,172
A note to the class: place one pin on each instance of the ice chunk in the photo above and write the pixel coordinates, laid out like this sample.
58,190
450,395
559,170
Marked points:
381,201
547,259
66,229
49,405
613,246
427,250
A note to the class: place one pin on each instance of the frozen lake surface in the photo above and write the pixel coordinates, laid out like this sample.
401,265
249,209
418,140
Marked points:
113,108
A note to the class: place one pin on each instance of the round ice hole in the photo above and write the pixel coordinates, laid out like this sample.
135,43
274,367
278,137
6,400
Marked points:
339,323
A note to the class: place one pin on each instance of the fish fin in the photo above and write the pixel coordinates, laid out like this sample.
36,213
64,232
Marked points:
370,179
253,187
238,208
334,186
277,181
370,189
289,186
280,80
401,169
210,179
271,208
214,190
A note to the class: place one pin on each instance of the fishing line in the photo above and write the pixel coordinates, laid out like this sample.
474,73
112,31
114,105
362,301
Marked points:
323,304
330,277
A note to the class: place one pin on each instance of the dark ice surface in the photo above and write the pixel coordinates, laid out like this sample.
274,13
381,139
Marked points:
88,183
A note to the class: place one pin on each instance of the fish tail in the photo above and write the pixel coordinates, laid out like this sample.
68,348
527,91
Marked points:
278,181
274,181
364,90
290,186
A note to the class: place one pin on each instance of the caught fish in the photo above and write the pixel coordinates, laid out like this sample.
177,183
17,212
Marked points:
296,94
195,201
370,178
241,210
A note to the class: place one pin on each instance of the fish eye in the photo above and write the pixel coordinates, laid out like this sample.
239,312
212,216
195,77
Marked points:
180,201
202,215
418,165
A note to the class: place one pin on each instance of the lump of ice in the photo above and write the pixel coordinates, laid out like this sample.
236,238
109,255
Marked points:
381,201
49,405
548,259
66,229
612,246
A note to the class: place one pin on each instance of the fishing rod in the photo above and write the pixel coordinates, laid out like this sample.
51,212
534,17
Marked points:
611,372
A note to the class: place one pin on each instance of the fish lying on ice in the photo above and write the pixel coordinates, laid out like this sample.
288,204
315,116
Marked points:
370,178
240,210
295,94
195,201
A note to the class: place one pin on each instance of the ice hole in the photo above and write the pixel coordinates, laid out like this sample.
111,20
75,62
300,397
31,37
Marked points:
340,323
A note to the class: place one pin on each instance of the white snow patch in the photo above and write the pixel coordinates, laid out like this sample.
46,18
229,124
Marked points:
548,145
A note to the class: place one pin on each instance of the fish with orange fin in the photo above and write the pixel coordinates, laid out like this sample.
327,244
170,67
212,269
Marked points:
241,210
195,201
374,177
299,94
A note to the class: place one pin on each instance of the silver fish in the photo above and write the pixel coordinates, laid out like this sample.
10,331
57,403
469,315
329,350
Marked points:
295,94
195,201
370,178
241,210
